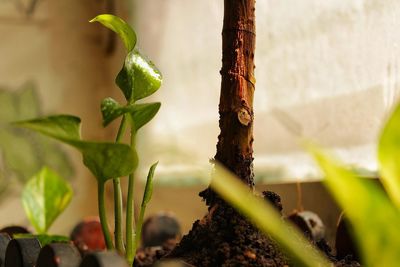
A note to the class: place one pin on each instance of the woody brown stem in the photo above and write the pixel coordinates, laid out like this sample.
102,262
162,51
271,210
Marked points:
235,142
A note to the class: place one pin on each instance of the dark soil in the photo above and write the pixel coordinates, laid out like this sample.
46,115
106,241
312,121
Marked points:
225,238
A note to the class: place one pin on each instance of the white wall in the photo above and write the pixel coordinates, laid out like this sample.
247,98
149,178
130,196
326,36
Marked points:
327,70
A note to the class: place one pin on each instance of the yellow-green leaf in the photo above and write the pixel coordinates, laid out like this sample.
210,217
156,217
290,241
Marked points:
44,197
389,156
374,217
119,26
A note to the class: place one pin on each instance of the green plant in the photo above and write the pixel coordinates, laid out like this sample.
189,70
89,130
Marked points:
44,198
138,79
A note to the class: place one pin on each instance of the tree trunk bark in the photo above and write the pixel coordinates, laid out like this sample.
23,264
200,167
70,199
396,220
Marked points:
235,142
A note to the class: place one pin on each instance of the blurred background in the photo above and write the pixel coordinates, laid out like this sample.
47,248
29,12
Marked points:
326,70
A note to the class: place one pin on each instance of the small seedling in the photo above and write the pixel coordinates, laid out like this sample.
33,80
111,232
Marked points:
44,198
138,79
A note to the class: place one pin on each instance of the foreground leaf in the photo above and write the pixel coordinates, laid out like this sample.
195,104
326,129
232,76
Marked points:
104,160
266,218
389,156
116,24
44,198
139,77
374,217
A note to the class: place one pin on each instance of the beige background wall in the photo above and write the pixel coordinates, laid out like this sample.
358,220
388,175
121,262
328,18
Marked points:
326,70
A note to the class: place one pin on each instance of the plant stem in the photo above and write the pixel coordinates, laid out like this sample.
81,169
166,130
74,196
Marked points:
130,233
118,209
139,228
103,216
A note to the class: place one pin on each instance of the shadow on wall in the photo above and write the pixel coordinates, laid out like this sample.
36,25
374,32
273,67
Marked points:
23,153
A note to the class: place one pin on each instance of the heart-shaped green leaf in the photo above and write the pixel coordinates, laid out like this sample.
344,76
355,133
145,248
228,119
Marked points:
389,156
104,160
44,197
139,77
116,24
108,160
140,113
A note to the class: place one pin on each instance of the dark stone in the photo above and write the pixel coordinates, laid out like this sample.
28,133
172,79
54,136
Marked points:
4,240
59,255
22,252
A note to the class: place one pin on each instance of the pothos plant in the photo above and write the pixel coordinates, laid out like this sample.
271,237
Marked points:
138,79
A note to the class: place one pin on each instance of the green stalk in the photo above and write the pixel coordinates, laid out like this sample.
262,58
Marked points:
118,209
103,216
130,234
139,229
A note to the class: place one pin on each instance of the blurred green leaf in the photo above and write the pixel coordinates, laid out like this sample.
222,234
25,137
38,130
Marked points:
389,156
24,152
140,113
44,197
44,239
266,218
104,160
374,217
116,24
139,77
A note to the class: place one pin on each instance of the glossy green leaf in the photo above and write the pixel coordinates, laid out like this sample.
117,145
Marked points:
104,160
266,218
139,77
148,190
61,127
140,113
44,239
44,197
373,215
389,156
116,24
143,113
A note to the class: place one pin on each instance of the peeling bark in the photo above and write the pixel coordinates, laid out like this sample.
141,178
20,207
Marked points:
235,142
